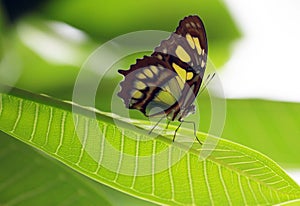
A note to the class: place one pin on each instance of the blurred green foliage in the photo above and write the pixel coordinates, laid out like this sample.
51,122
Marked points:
267,126
101,21
1,32
109,19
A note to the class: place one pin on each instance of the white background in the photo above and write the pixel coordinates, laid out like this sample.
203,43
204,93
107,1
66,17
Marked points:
265,62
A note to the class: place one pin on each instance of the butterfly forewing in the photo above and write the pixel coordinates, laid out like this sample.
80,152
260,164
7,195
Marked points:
188,44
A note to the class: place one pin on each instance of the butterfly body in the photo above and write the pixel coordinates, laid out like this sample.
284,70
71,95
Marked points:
167,82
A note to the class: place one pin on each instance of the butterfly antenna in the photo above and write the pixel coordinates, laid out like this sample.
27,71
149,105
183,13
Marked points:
156,125
208,80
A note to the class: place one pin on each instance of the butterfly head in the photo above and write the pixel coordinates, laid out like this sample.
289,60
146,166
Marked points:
186,112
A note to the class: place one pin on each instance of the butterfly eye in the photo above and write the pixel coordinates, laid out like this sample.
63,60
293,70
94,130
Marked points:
190,110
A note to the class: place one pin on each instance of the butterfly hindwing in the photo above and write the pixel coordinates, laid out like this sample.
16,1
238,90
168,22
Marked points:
144,83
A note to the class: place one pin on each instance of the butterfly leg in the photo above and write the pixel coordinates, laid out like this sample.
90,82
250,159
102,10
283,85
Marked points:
176,131
168,124
156,125
190,122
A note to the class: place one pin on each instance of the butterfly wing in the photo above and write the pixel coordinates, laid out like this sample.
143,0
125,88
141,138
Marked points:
146,85
186,50
188,42
171,77
187,47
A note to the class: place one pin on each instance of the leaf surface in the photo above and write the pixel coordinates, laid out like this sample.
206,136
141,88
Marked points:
120,154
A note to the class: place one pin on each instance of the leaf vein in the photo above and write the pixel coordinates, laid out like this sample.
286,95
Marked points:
102,149
121,155
136,160
241,189
19,116
34,122
86,125
207,183
190,179
224,185
48,127
62,128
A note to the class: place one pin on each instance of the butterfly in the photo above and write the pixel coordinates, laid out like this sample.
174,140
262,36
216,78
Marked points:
167,82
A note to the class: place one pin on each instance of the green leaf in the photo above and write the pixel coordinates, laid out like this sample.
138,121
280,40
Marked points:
267,126
156,170
25,180
270,127
291,203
